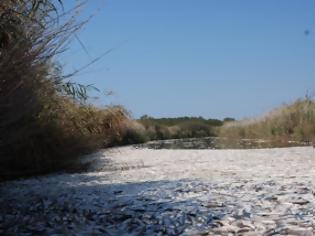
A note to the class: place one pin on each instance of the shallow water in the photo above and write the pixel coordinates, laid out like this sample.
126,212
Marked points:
218,143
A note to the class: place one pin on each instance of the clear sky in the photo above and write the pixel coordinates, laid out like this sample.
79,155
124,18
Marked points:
211,58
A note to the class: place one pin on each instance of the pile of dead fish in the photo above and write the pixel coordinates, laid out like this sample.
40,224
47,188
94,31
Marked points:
187,207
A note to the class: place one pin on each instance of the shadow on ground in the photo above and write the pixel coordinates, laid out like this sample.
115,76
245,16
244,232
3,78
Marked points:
87,204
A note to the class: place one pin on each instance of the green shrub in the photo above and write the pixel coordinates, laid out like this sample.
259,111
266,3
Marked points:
181,127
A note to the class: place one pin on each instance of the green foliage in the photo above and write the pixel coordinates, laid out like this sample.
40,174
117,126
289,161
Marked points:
228,119
178,120
180,127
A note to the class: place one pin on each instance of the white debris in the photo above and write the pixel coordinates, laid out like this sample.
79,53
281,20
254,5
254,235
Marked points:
131,191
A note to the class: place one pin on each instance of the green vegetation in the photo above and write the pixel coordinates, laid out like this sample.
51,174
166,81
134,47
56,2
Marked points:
294,122
176,128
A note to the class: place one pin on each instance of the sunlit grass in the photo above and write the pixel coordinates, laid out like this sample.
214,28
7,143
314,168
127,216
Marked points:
294,122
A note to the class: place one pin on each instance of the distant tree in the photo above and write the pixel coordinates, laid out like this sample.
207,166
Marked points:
228,119
145,117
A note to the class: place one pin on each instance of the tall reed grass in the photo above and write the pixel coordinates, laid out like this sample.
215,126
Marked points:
44,125
294,122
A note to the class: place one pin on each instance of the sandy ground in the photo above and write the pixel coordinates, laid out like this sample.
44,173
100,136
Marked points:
130,191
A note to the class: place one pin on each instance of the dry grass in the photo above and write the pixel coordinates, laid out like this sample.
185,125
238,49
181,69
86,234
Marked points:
43,128
290,122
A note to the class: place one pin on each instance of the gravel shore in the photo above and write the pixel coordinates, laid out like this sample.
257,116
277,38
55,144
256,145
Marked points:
130,191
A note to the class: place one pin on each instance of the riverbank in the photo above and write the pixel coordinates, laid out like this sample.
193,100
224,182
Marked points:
150,192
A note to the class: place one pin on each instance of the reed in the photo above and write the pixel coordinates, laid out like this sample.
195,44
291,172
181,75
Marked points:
45,121
294,122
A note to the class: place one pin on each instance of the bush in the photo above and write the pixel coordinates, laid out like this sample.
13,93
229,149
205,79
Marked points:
181,127
134,133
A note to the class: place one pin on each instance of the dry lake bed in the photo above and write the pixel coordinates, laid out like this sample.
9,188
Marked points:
140,191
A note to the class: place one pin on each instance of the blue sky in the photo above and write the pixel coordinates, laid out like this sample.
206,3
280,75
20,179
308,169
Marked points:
211,58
